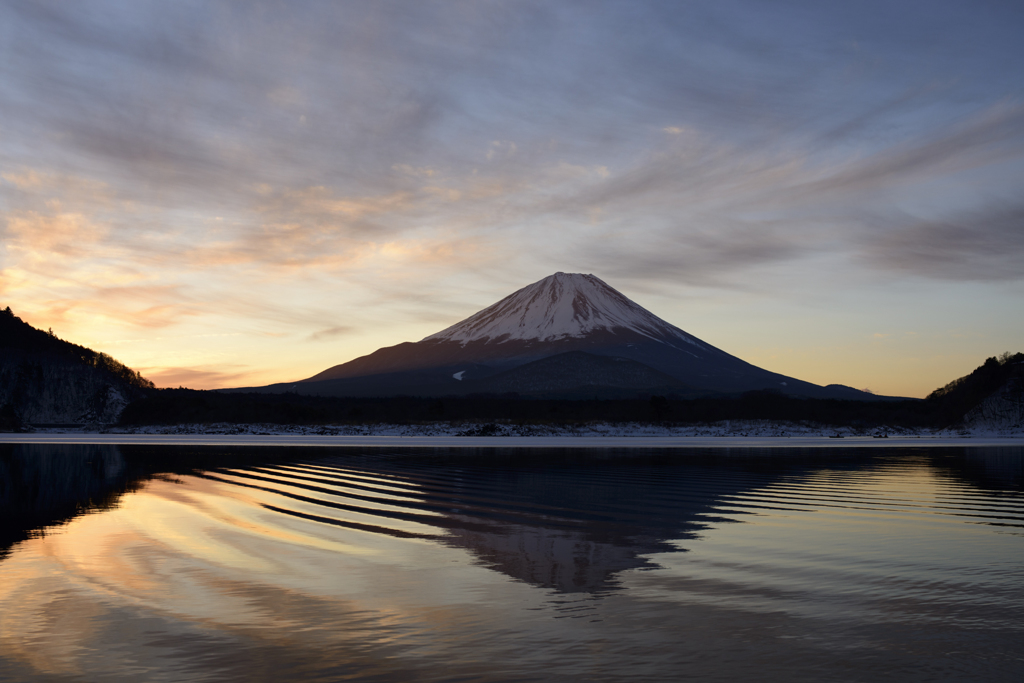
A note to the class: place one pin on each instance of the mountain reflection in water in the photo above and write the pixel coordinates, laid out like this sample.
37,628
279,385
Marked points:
175,563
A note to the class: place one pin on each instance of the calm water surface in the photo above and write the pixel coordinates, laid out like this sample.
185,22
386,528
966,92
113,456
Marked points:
231,564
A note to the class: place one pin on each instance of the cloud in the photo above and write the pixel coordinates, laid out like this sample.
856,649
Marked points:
423,172
319,205
330,332
704,212
167,164
197,377
26,180
147,306
500,148
38,189
986,138
37,236
981,246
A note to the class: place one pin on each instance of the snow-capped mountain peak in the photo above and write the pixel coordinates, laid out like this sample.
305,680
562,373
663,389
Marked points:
561,306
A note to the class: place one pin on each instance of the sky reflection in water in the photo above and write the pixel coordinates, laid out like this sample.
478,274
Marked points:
499,565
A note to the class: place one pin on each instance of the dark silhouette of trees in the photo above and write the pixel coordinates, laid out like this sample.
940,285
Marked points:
18,336
943,408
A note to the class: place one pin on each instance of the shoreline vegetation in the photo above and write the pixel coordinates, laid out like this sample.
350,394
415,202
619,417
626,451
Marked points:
47,383
990,401
724,429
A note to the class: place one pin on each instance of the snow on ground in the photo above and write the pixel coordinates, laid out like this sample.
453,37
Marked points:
728,428
559,306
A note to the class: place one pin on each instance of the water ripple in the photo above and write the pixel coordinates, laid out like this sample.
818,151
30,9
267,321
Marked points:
425,566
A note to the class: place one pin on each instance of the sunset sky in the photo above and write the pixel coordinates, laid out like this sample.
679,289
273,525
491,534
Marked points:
239,193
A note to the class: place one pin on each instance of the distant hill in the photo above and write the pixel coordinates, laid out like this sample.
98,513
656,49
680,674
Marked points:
44,379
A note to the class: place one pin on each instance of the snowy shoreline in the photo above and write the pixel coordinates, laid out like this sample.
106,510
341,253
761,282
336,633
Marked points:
728,428
732,433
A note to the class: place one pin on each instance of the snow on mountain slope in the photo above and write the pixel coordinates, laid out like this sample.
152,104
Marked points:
561,306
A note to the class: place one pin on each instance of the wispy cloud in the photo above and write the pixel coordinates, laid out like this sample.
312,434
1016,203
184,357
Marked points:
195,377
330,333
984,245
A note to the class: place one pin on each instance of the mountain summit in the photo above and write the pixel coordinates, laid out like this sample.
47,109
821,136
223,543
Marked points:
568,335
560,306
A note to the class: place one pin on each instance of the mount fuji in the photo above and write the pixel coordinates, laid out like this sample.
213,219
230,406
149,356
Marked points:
568,335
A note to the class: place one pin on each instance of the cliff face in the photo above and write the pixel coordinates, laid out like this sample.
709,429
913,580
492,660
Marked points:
41,388
44,379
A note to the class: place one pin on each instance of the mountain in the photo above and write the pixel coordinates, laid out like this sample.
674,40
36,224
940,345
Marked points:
588,335
44,379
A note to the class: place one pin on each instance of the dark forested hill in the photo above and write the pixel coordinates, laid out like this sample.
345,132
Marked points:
991,396
44,379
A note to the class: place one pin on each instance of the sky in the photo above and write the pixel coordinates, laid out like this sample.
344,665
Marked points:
237,193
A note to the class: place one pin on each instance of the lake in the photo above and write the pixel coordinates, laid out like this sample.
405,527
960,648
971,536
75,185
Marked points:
222,563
